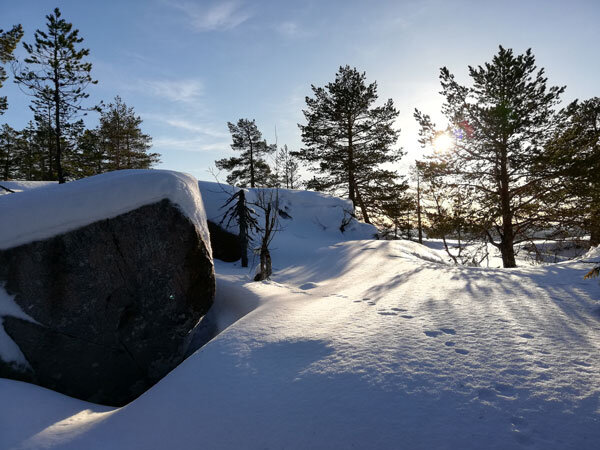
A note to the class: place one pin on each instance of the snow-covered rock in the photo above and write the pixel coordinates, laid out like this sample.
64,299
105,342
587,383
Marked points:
305,217
106,293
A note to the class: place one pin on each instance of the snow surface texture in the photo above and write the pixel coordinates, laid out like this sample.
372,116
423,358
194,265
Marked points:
359,344
53,209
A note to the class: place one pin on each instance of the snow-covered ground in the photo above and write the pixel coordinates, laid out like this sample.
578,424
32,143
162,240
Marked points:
545,251
358,344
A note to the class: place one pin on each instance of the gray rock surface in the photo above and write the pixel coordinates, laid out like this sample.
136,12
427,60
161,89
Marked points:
115,302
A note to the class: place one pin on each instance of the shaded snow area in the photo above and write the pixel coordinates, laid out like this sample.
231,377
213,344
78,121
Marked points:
359,344
52,209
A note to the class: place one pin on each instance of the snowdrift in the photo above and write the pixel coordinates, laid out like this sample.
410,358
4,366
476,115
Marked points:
358,344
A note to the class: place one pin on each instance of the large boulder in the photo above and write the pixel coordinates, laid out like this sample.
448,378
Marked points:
112,303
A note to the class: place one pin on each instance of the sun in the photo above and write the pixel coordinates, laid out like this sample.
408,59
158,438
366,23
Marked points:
443,142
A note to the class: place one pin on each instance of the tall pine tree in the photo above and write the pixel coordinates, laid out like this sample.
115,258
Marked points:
250,168
56,71
349,139
499,127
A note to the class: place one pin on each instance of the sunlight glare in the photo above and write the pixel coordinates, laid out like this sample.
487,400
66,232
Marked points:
442,142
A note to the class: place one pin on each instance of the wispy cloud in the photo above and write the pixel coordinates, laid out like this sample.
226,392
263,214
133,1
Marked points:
195,127
292,30
173,90
218,16
190,145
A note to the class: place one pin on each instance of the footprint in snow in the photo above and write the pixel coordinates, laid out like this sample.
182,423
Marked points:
461,351
406,316
448,330
399,309
357,301
526,335
432,333
449,344
387,313
307,286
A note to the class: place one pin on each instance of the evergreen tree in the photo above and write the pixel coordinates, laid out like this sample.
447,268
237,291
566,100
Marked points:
349,139
43,114
8,42
55,70
9,152
499,126
91,155
574,154
287,169
124,144
249,169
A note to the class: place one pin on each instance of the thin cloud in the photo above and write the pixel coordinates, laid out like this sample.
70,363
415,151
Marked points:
174,90
219,16
195,127
190,145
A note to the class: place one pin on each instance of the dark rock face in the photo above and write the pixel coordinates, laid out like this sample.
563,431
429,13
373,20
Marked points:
225,245
115,302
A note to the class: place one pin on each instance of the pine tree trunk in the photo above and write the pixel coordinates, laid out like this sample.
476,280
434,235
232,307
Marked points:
419,223
363,207
506,244
57,133
252,181
7,159
243,223
351,181
594,227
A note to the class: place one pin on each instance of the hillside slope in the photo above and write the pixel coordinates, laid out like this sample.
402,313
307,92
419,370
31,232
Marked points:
360,344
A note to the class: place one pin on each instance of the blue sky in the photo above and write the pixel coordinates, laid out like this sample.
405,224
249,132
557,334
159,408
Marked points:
188,67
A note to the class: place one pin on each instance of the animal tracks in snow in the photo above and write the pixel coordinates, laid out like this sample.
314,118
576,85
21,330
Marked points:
447,331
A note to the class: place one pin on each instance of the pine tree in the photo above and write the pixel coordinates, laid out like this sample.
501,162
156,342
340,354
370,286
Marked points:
499,127
287,169
8,43
122,140
55,70
349,139
574,154
249,169
9,152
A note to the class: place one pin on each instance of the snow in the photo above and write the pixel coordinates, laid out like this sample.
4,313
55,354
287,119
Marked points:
358,344
9,351
53,209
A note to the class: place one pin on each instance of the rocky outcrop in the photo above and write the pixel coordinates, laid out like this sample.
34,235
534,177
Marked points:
225,245
113,303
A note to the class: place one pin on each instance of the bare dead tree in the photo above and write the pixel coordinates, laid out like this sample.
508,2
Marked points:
267,200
